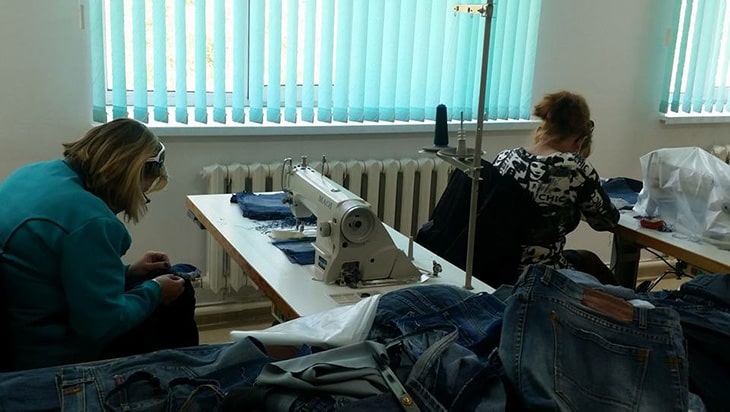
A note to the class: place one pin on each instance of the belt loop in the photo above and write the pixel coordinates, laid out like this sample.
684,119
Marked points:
546,275
643,315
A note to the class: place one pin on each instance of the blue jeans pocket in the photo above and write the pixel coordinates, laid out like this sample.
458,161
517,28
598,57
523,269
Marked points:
583,358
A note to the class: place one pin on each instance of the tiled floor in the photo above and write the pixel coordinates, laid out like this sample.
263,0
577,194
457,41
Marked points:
221,334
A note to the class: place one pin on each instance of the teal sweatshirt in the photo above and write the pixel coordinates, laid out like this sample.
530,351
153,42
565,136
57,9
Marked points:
61,268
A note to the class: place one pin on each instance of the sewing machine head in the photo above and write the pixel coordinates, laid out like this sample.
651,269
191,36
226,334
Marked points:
688,188
352,246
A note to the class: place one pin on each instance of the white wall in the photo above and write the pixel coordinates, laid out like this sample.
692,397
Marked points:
612,52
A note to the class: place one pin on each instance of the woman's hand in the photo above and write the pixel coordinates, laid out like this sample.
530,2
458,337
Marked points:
172,286
151,261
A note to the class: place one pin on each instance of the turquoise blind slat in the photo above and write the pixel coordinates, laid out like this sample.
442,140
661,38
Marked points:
240,67
310,10
518,57
273,111
720,56
421,48
722,102
119,75
696,73
98,66
669,60
697,79
470,75
450,66
388,83
201,62
219,62
358,62
139,47
181,80
405,60
324,112
506,58
374,58
439,10
318,60
256,62
460,54
705,85
494,76
341,93
159,30
684,41
292,64
525,102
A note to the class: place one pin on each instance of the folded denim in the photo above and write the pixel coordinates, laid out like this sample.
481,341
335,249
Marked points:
262,206
267,206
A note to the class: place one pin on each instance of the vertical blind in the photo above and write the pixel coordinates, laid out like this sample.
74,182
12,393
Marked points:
698,70
256,61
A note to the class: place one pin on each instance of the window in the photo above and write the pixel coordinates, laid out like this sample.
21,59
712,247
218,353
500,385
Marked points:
698,75
273,61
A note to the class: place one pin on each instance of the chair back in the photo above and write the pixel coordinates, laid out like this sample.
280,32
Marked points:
505,211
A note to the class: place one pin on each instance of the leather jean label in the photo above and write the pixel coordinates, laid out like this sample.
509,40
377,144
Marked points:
608,304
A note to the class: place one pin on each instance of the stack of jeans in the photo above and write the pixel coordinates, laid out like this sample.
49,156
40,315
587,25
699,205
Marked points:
703,305
557,340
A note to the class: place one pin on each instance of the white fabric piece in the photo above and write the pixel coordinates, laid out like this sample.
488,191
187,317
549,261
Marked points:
688,188
339,326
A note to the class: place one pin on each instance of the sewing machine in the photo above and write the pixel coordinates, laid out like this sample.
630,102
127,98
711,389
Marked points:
688,188
352,246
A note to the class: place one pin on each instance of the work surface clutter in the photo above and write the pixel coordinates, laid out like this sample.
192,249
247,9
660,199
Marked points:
557,340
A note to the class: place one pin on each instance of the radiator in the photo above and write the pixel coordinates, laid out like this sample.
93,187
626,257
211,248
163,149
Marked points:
402,192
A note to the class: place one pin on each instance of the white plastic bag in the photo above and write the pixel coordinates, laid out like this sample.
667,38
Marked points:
340,326
689,189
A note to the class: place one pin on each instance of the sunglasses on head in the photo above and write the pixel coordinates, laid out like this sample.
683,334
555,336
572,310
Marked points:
159,158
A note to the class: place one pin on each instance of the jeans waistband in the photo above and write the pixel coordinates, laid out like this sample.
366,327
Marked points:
597,300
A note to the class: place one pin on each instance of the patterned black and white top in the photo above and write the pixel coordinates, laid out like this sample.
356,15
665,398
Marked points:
564,186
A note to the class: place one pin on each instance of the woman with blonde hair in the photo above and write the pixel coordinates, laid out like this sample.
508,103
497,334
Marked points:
67,291
564,185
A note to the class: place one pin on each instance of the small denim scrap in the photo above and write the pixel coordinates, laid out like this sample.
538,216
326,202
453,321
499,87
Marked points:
299,251
266,206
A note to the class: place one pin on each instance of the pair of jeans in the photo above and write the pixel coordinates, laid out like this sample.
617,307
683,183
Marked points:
566,346
703,305
193,379
440,339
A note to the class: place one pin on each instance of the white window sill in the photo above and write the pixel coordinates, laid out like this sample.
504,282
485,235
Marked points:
694,118
322,128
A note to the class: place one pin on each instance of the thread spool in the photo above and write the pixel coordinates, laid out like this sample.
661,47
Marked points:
441,132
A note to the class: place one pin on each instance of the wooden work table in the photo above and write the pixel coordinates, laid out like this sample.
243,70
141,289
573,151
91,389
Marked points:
291,287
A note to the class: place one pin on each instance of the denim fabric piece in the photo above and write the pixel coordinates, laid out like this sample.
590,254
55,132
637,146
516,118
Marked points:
623,188
568,347
174,379
300,252
704,310
417,300
263,206
441,337
450,354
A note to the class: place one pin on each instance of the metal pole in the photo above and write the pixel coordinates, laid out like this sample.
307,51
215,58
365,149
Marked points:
475,171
